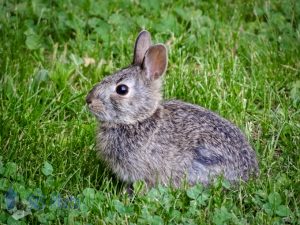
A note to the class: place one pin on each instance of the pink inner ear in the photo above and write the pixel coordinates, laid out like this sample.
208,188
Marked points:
155,61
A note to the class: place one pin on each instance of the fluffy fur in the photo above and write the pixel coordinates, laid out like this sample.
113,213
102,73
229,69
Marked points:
143,138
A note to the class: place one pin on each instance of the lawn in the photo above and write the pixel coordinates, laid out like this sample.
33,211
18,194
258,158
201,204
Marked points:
241,60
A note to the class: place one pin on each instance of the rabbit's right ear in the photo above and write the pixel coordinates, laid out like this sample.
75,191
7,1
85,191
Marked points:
142,43
155,61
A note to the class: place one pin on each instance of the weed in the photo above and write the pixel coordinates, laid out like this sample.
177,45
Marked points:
240,59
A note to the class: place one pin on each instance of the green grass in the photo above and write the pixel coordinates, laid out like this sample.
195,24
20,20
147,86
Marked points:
239,59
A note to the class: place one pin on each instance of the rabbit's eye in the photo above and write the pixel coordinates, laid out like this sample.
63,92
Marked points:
122,89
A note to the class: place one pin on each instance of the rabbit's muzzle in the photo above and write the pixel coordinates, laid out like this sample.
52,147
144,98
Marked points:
94,104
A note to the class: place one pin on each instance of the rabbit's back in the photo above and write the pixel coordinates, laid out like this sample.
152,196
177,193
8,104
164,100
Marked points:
217,146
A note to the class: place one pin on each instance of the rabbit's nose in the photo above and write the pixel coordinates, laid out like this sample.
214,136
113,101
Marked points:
89,99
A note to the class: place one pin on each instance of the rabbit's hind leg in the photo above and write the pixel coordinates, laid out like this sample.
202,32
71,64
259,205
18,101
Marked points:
206,165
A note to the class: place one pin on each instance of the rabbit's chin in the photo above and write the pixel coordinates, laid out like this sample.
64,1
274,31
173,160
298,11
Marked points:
103,118
124,120
124,117
106,118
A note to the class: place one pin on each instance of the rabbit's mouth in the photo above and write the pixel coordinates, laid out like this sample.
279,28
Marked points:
94,105
94,109
100,116
99,112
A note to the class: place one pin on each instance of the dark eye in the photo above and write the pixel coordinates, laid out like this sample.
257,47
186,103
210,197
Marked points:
122,89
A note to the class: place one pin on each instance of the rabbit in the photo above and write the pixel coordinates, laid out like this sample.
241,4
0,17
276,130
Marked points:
142,137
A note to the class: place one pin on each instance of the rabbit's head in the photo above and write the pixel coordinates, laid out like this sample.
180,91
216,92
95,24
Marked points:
131,94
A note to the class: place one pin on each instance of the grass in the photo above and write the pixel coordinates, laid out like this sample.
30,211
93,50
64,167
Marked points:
238,59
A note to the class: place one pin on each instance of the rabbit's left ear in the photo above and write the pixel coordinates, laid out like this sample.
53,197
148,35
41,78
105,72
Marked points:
142,43
155,61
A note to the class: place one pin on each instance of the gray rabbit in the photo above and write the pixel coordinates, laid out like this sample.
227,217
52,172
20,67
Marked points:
142,137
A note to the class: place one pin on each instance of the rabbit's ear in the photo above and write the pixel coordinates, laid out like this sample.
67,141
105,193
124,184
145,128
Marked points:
155,61
142,43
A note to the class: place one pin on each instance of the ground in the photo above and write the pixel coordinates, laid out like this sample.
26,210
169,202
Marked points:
241,60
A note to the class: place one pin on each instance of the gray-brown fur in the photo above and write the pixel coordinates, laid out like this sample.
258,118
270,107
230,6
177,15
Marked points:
143,138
